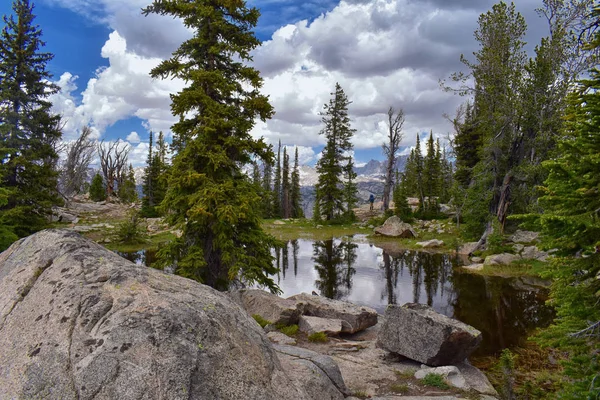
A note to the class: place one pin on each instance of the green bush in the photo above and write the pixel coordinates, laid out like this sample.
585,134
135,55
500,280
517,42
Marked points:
131,230
435,380
318,337
97,189
261,321
290,330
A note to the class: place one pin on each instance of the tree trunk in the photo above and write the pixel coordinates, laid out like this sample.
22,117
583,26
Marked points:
504,202
388,183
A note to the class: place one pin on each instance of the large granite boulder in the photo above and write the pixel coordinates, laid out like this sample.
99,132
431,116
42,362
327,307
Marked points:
417,332
354,318
501,259
79,322
394,227
273,308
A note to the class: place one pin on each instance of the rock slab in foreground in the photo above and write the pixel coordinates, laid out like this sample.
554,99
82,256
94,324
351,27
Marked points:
354,318
269,306
394,227
320,372
79,322
417,332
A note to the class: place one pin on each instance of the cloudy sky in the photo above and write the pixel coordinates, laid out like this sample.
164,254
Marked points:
383,53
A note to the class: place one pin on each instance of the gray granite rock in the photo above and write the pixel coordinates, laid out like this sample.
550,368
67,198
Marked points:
269,306
354,318
311,325
394,227
417,332
79,322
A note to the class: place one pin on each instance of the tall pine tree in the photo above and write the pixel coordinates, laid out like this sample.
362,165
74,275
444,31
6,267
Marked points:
330,196
209,198
296,196
28,129
277,211
286,206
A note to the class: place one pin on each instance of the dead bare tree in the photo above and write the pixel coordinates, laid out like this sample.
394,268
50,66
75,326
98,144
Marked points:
390,149
79,155
113,164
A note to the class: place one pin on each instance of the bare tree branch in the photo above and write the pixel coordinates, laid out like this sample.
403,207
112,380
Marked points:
390,149
75,167
113,163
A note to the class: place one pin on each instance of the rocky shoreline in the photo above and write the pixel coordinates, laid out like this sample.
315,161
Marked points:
78,321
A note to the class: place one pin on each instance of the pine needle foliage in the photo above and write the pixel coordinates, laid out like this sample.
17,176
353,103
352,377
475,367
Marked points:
331,198
209,198
29,131
571,224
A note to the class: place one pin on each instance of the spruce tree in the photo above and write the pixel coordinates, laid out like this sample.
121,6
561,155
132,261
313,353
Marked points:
330,195
350,198
418,174
571,224
277,211
209,198
285,186
267,190
401,207
127,191
29,131
296,196
148,201
97,189
431,176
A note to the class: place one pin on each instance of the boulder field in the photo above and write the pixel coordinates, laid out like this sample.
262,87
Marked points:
79,322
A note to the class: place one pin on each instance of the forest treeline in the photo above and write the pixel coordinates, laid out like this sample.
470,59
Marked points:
525,151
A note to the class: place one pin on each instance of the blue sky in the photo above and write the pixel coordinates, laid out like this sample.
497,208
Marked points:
383,52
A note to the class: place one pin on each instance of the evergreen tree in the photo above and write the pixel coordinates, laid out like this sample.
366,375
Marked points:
330,196
402,209
148,188
209,198
431,176
97,189
277,211
267,190
286,207
296,196
409,177
350,190
29,131
446,177
127,191
256,174
571,223
418,178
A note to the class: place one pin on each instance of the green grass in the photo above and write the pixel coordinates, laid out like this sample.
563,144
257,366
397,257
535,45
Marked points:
307,229
406,374
399,388
435,380
289,330
261,321
318,337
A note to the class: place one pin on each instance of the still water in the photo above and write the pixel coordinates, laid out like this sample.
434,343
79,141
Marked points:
505,310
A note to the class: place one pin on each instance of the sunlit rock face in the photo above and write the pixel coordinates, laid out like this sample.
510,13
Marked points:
78,321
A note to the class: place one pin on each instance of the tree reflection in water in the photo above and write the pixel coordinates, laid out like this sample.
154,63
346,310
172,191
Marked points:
429,272
334,264
505,310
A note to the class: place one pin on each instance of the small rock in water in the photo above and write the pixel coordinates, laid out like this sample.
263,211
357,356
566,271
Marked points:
474,267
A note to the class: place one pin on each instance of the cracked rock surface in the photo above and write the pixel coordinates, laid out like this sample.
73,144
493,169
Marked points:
79,322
